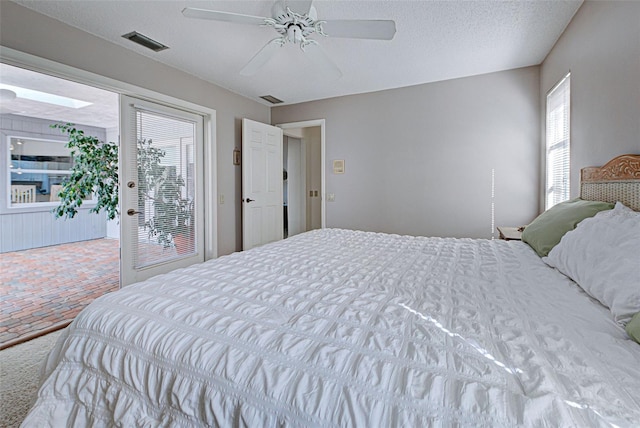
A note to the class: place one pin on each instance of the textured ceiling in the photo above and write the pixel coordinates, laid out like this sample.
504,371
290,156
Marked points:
435,40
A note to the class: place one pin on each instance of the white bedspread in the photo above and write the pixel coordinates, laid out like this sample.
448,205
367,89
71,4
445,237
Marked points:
352,329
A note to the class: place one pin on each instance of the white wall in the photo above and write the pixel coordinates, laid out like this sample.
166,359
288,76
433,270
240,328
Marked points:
419,159
601,48
27,31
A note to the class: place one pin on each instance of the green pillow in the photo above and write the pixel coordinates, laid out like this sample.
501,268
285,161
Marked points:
633,327
548,228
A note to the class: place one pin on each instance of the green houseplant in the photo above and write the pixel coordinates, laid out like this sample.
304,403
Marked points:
172,222
95,173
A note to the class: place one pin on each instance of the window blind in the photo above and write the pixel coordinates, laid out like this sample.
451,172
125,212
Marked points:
558,143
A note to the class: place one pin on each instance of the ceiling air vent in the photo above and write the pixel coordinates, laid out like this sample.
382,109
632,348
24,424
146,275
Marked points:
145,41
271,99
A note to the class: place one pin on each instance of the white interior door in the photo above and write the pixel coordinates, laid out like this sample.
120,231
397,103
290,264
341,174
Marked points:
161,189
262,196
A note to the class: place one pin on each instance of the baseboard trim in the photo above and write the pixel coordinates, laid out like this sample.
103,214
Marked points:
35,334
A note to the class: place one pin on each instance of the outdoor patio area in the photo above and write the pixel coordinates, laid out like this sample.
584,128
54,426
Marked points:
43,288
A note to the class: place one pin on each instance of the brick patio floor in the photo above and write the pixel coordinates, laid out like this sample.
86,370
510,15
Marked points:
43,287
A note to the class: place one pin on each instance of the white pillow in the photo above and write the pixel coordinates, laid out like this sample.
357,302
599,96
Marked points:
602,255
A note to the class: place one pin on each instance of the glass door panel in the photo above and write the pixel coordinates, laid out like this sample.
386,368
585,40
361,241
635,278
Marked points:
162,192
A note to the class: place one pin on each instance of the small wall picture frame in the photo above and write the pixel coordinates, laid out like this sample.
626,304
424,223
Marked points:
236,156
338,166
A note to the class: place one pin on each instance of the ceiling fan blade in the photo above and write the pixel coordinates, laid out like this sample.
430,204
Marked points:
360,29
322,61
261,58
301,7
278,9
215,15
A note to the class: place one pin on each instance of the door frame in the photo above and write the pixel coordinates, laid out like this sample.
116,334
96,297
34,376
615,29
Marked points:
34,63
302,177
311,124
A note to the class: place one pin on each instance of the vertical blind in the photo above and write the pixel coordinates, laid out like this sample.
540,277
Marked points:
558,143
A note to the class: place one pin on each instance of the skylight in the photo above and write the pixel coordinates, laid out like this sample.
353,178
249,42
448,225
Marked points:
44,97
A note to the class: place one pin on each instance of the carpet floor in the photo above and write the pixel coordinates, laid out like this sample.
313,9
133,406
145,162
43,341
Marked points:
20,368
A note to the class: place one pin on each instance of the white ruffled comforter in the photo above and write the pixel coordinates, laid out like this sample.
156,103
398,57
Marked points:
353,329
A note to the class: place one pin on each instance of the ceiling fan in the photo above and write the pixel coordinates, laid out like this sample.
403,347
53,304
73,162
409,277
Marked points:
296,22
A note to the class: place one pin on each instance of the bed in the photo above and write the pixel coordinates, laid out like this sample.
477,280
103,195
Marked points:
354,329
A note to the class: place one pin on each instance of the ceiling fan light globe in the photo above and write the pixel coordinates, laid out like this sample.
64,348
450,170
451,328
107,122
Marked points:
294,34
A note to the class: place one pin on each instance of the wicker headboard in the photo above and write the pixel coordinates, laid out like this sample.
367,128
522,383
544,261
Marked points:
618,180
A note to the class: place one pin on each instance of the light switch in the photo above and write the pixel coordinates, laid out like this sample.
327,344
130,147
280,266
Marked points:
221,199
331,197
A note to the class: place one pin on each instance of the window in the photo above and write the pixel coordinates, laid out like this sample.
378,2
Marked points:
557,153
37,169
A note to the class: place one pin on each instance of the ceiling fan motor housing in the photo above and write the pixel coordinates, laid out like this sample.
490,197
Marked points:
294,27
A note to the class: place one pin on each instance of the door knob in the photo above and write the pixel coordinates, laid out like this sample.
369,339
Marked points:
249,200
131,211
